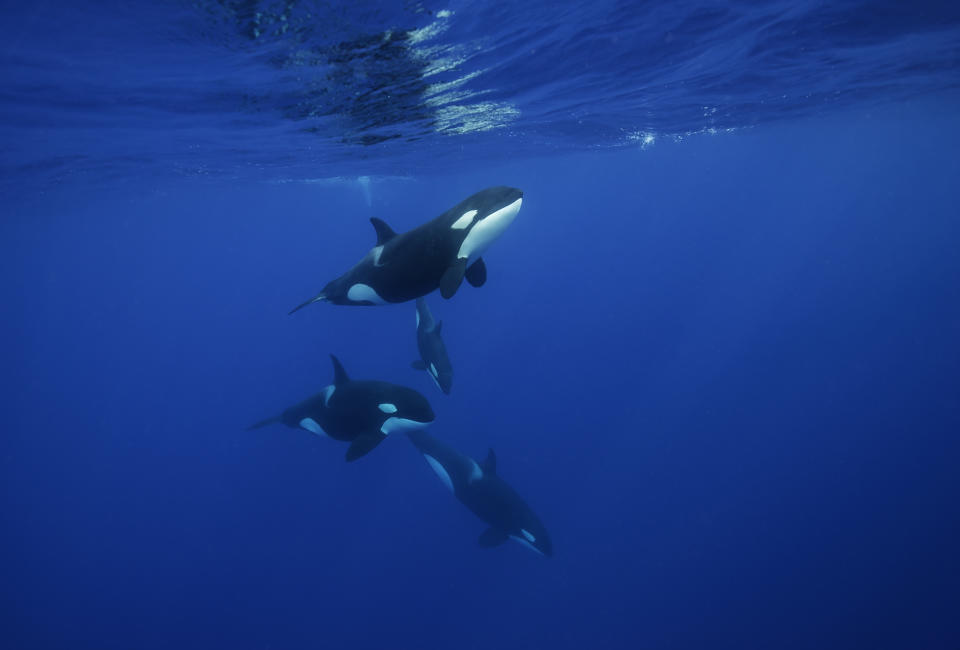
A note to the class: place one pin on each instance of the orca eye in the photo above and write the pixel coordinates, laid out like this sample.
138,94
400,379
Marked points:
387,407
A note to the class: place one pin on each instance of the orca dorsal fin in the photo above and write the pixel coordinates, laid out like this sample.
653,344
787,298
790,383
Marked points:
489,464
384,232
339,374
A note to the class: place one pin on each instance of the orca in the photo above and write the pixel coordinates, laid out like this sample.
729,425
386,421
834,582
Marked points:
438,254
480,488
361,412
433,353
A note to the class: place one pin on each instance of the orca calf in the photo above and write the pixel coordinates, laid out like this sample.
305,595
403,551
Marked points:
437,254
478,487
361,412
433,353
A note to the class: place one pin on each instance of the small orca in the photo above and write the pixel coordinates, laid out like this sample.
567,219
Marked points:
433,353
362,412
478,487
437,254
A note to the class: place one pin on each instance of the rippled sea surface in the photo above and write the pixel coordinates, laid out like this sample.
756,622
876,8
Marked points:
299,90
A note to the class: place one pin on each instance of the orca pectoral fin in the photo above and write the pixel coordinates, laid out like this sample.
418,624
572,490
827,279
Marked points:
477,273
320,297
363,445
452,278
418,365
492,537
263,423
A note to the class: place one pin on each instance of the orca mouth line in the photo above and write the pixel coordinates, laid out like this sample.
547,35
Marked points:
318,298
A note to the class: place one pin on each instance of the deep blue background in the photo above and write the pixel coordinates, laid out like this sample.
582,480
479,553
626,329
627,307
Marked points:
723,371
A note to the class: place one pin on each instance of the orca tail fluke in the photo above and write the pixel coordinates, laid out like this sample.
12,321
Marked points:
263,423
320,297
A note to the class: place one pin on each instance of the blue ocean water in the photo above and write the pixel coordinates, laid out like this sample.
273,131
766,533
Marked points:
717,352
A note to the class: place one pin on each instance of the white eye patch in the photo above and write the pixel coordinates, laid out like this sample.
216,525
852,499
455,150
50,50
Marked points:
464,220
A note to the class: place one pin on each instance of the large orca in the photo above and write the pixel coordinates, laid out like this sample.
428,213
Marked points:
362,412
478,487
433,353
437,254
